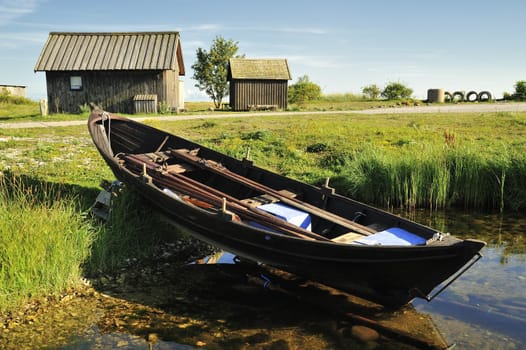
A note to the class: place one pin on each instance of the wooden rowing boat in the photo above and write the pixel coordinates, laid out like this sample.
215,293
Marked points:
259,215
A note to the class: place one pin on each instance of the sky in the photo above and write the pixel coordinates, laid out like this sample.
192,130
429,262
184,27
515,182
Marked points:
341,45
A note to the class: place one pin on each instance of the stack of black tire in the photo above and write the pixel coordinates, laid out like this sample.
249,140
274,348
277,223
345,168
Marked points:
472,96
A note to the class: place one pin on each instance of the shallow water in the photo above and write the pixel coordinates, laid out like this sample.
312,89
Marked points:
218,306
486,307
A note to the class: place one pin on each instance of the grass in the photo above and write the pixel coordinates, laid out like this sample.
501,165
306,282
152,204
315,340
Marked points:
132,233
466,160
48,241
43,240
29,111
444,160
341,102
435,161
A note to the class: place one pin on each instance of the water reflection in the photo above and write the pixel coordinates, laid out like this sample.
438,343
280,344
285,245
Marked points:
219,257
95,340
486,308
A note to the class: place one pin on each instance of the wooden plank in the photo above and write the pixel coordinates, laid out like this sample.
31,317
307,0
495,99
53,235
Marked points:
179,168
347,237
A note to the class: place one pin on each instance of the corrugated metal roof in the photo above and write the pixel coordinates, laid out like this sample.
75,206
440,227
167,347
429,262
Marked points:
249,68
111,51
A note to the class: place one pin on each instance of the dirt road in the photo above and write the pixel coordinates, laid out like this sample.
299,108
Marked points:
458,108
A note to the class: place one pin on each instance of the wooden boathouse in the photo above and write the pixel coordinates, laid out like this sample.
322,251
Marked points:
257,84
129,72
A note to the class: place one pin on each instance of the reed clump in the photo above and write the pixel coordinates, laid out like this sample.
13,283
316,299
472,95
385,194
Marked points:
48,242
44,239
437,177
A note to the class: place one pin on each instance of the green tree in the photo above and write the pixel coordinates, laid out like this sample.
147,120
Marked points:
396,91
520,91
211,68
372,91
304,90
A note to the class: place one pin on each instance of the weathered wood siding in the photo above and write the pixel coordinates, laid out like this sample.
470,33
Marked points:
247,92
110,69
111,90
145,104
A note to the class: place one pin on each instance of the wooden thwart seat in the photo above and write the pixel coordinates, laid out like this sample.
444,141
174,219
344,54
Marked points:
347,237
267,198
179,168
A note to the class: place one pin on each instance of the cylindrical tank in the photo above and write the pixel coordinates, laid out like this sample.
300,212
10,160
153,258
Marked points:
435,95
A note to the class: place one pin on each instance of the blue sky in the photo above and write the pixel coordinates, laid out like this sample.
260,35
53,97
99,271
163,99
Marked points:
341,45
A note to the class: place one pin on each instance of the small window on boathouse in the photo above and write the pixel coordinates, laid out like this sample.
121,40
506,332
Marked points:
75,82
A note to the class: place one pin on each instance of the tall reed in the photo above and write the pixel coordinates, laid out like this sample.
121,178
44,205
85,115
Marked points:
436,177
44,239
416,179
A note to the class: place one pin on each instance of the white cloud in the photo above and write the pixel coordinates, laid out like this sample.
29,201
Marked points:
192,93
14,40
210,27
303,30
328,62
13,9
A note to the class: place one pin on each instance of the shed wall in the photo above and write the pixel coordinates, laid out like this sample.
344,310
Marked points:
111,90
247,92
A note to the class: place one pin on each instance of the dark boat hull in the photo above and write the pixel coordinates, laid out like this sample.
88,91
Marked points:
389,275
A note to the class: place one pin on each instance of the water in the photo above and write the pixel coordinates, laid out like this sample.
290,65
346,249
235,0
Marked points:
486,307
212,305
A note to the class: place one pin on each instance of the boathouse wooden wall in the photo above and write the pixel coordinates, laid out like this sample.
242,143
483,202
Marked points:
246,94
113,91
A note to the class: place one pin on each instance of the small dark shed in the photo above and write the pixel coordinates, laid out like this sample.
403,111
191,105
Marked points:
258,83
112,69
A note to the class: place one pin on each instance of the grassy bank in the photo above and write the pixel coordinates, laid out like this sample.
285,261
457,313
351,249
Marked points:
48,239
464,160
44,239
437,161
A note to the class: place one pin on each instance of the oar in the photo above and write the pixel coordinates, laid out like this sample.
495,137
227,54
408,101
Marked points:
223,171
209,194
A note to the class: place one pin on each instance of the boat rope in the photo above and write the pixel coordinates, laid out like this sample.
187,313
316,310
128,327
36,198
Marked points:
162,144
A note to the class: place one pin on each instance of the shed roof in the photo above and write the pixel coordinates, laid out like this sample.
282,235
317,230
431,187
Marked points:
250,68
111,51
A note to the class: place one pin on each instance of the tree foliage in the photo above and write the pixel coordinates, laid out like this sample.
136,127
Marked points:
520,91
372,91
396,91
211,68
304,90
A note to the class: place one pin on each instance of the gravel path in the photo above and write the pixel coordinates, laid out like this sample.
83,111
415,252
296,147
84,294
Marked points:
464,108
